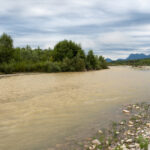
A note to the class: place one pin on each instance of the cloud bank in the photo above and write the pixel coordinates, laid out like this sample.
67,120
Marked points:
111,28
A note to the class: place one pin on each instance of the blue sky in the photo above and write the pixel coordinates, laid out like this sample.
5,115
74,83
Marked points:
113,28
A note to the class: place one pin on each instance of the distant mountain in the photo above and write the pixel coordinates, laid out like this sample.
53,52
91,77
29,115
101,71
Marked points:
130,57
137,56
120,59
108,60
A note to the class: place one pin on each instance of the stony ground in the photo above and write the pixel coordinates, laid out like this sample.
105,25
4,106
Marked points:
133,133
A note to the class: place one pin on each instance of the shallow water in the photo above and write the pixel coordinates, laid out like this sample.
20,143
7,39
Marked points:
41,111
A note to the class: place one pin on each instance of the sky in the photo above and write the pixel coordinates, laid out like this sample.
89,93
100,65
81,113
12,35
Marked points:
112,28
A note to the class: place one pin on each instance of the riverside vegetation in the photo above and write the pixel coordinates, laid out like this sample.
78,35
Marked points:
66,56
134,63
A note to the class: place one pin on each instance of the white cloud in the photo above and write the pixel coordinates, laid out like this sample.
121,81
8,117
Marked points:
114,38
107,26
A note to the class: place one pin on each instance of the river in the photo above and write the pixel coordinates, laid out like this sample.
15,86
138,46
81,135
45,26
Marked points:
41,111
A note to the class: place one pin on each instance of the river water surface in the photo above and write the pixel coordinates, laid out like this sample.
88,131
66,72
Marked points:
42,111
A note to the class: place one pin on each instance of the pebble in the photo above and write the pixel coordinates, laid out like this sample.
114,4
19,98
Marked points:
129,141
132,146
96,142
131,122
137,107
130,125
100,131
117,132
92,147
122,123
148,125
126,111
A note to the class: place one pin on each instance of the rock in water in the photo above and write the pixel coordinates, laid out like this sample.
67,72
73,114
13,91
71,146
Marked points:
126,111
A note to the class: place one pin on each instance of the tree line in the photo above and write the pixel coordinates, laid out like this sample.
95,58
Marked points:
134,63
66,56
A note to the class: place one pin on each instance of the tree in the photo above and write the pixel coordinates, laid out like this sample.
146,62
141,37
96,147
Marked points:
65,49
79,64
90,61
67,65
6,48
17,56
103,62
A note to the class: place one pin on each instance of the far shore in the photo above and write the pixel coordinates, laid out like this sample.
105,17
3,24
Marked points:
34,73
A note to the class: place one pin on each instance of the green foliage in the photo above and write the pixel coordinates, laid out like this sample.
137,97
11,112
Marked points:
66,56
6,48
65,49
67,65
27,54
103,62
143,142
134,63
14,67
94,62
79,63
91,61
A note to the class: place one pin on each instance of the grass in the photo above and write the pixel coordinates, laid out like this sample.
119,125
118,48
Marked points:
143,142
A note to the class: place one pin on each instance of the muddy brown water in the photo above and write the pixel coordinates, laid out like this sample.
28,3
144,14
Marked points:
42,111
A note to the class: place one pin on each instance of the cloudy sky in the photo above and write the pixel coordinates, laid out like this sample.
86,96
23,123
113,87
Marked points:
113,28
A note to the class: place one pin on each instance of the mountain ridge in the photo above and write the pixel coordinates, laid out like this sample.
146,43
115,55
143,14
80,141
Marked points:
132,56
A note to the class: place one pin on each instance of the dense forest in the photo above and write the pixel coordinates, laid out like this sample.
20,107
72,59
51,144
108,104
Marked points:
66,56
134,63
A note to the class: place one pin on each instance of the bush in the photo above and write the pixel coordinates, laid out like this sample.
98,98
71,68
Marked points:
6,48
66,49
14,67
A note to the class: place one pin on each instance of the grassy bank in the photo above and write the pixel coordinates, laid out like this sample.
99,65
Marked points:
133,133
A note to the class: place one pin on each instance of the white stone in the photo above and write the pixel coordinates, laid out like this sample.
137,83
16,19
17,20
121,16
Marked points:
126,111
122,123
117,132
137,107
132,146
129,140
131,123
124,147
148,125
100,131
92,147
137,145
96,142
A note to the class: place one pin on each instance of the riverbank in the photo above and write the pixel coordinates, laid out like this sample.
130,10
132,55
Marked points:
132,133
2,75
47,67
